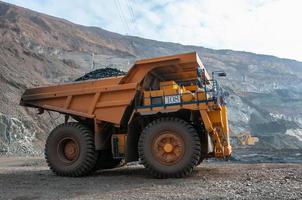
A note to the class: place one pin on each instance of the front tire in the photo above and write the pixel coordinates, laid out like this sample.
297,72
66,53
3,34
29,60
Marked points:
70,150
169,148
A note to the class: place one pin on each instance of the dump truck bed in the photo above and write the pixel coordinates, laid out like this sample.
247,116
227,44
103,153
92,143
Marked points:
107,99
104,99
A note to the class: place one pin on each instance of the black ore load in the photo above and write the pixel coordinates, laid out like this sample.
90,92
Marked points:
101,73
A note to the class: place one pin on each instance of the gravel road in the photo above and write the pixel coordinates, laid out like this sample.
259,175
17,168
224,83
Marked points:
29,178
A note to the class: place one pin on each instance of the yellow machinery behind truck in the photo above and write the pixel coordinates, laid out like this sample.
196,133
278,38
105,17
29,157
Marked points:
166,112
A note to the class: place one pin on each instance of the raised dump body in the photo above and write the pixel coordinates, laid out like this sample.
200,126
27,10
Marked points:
167,111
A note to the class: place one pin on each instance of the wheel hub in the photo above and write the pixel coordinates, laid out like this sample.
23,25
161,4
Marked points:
68,150
168,148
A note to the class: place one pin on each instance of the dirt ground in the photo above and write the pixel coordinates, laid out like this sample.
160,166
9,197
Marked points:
29,178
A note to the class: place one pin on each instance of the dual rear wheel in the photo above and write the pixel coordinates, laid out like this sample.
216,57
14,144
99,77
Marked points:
70,151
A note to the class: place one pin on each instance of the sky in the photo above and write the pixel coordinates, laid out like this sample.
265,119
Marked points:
271,27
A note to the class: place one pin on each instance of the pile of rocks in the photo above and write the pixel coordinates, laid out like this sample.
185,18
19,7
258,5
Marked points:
101,73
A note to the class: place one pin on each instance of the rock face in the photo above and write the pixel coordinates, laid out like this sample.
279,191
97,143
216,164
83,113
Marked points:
17,137
36,49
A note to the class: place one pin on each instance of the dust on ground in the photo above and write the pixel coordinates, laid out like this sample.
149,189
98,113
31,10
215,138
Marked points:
29,178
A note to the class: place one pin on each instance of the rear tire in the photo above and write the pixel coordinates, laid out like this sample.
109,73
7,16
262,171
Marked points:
169,148
70,150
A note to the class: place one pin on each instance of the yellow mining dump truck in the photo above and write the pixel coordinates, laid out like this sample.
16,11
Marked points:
166,112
